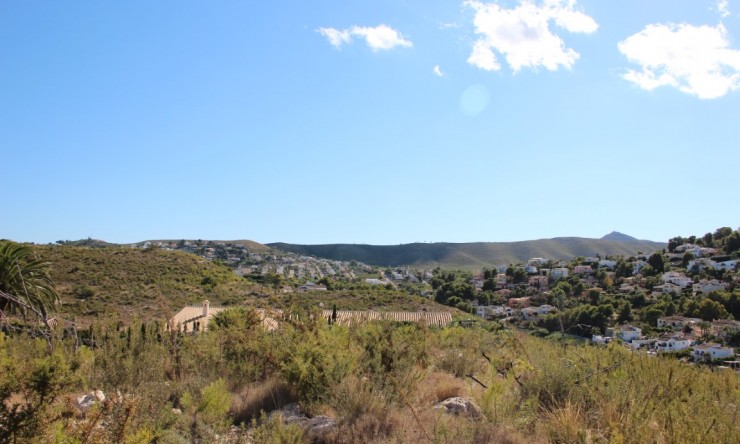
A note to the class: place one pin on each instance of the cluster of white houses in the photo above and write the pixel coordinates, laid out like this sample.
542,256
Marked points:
683,337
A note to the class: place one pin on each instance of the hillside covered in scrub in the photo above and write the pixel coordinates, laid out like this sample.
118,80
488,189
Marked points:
150,283
145,283
372,383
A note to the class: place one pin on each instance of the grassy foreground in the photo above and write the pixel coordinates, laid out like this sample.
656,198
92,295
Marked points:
379,381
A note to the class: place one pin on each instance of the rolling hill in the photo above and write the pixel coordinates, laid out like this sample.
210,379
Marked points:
476,254
96,283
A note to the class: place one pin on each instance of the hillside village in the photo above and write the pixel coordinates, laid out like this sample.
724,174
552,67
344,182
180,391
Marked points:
247,261
683,299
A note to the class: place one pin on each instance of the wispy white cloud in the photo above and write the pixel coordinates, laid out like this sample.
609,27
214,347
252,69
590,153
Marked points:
523,34
449,25
378,38
723,8
696,60
483,57
335,36
438,71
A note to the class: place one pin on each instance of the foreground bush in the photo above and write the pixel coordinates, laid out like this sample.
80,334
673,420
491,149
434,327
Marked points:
378,381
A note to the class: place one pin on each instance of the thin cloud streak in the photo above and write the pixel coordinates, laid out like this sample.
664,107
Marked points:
378,38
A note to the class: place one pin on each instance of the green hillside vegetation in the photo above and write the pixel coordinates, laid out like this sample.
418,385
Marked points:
378,382
471,255
131,282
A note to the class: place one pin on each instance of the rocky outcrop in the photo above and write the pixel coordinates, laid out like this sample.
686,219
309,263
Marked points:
314,427
84,402
459,406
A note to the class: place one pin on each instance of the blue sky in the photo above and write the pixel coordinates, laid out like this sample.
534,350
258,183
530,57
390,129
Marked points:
368,122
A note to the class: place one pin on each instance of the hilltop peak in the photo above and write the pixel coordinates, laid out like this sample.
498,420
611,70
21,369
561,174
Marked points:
619,237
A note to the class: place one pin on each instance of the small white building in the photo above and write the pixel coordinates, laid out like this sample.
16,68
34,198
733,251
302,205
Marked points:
677,322
707,286
640,343
607,263
557,273
667,288
677,279
493,311
626,332
673,344
583,269
711,351
725,265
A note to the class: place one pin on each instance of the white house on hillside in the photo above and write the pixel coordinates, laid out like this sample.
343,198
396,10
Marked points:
626,332
677,279
711,351
677,322
673,343
707,286
667,288
726,265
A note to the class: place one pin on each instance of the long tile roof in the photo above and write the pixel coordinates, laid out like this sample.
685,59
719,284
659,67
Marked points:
186,318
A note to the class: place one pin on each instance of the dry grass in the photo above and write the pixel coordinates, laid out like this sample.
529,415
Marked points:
566,425
266,396
438,386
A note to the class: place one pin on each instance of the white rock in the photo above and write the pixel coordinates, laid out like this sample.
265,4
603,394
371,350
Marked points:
459,406
318,425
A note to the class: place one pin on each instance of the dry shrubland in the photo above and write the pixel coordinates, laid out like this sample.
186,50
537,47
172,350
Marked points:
378,381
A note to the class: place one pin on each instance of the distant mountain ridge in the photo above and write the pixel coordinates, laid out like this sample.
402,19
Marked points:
476,254
620,237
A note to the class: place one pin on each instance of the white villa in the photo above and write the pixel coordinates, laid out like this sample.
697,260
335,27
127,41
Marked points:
711,351
677,279
627,333
673,343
